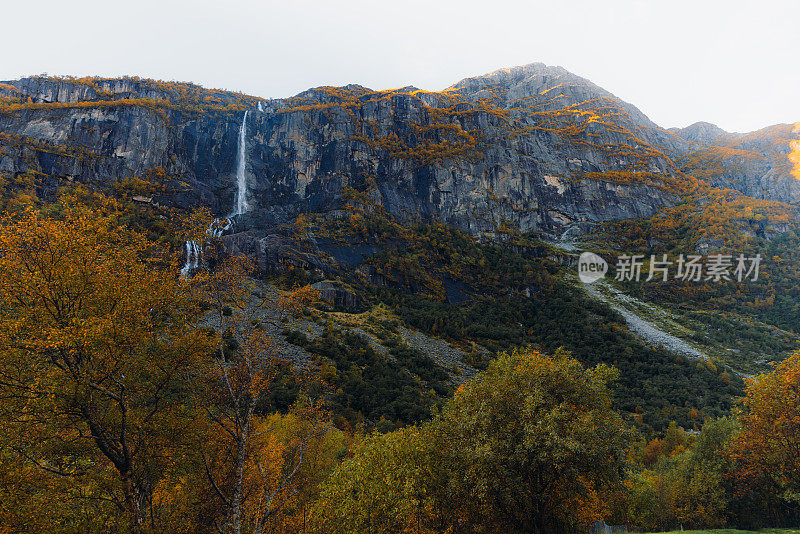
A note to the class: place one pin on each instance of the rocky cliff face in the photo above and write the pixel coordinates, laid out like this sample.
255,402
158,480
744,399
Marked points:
755,164
534,147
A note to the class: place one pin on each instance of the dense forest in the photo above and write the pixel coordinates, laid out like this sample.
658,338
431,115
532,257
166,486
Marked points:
138,400
393,338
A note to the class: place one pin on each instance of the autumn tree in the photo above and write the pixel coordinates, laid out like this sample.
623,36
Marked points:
555,445
96,338
382,489
766,453
687,484
292,455
530,445
236,381
704,493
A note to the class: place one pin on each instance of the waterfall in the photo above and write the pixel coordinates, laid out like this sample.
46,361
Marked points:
194,252
241,178
259,107
218,227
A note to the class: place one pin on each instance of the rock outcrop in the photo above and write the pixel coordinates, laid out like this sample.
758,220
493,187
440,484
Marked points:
535,147
756,164
701,133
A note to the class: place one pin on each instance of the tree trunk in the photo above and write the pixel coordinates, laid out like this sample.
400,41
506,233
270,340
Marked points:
241,457
132,502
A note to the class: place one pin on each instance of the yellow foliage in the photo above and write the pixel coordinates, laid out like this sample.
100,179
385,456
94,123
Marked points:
794,155
95,332
187,97
708,214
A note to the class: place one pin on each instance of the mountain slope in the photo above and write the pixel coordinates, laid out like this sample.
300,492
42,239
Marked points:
440,206
534,146
535,158
756,164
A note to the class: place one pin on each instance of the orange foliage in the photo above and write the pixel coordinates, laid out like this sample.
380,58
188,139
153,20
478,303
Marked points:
95,336
439,136
708,214
187,97
712,162
794,156
18,142
765,452
675,184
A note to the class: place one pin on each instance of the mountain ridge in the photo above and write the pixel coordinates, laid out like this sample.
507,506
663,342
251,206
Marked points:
534,145
461,210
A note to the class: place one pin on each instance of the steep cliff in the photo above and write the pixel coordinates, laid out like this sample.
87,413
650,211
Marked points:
533,146
756,164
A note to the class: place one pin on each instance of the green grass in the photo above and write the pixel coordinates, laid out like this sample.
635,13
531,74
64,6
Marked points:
743,343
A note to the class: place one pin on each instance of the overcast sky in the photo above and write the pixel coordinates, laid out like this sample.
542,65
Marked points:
733,63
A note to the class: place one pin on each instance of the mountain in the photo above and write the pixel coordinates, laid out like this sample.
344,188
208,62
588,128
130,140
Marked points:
533,145
756,164
702,133
461,211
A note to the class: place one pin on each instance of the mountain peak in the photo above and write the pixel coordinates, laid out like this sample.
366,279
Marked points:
701,132
511,86
509,76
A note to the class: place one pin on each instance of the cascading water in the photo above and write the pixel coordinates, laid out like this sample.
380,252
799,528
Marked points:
194,252
192,258
241,177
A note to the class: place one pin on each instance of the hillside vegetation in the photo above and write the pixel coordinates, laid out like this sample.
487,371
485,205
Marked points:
393,339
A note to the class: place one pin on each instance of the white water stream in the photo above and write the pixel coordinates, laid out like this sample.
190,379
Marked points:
194,251
241,178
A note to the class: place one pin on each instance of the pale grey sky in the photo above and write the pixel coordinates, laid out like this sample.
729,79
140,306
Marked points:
734,62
